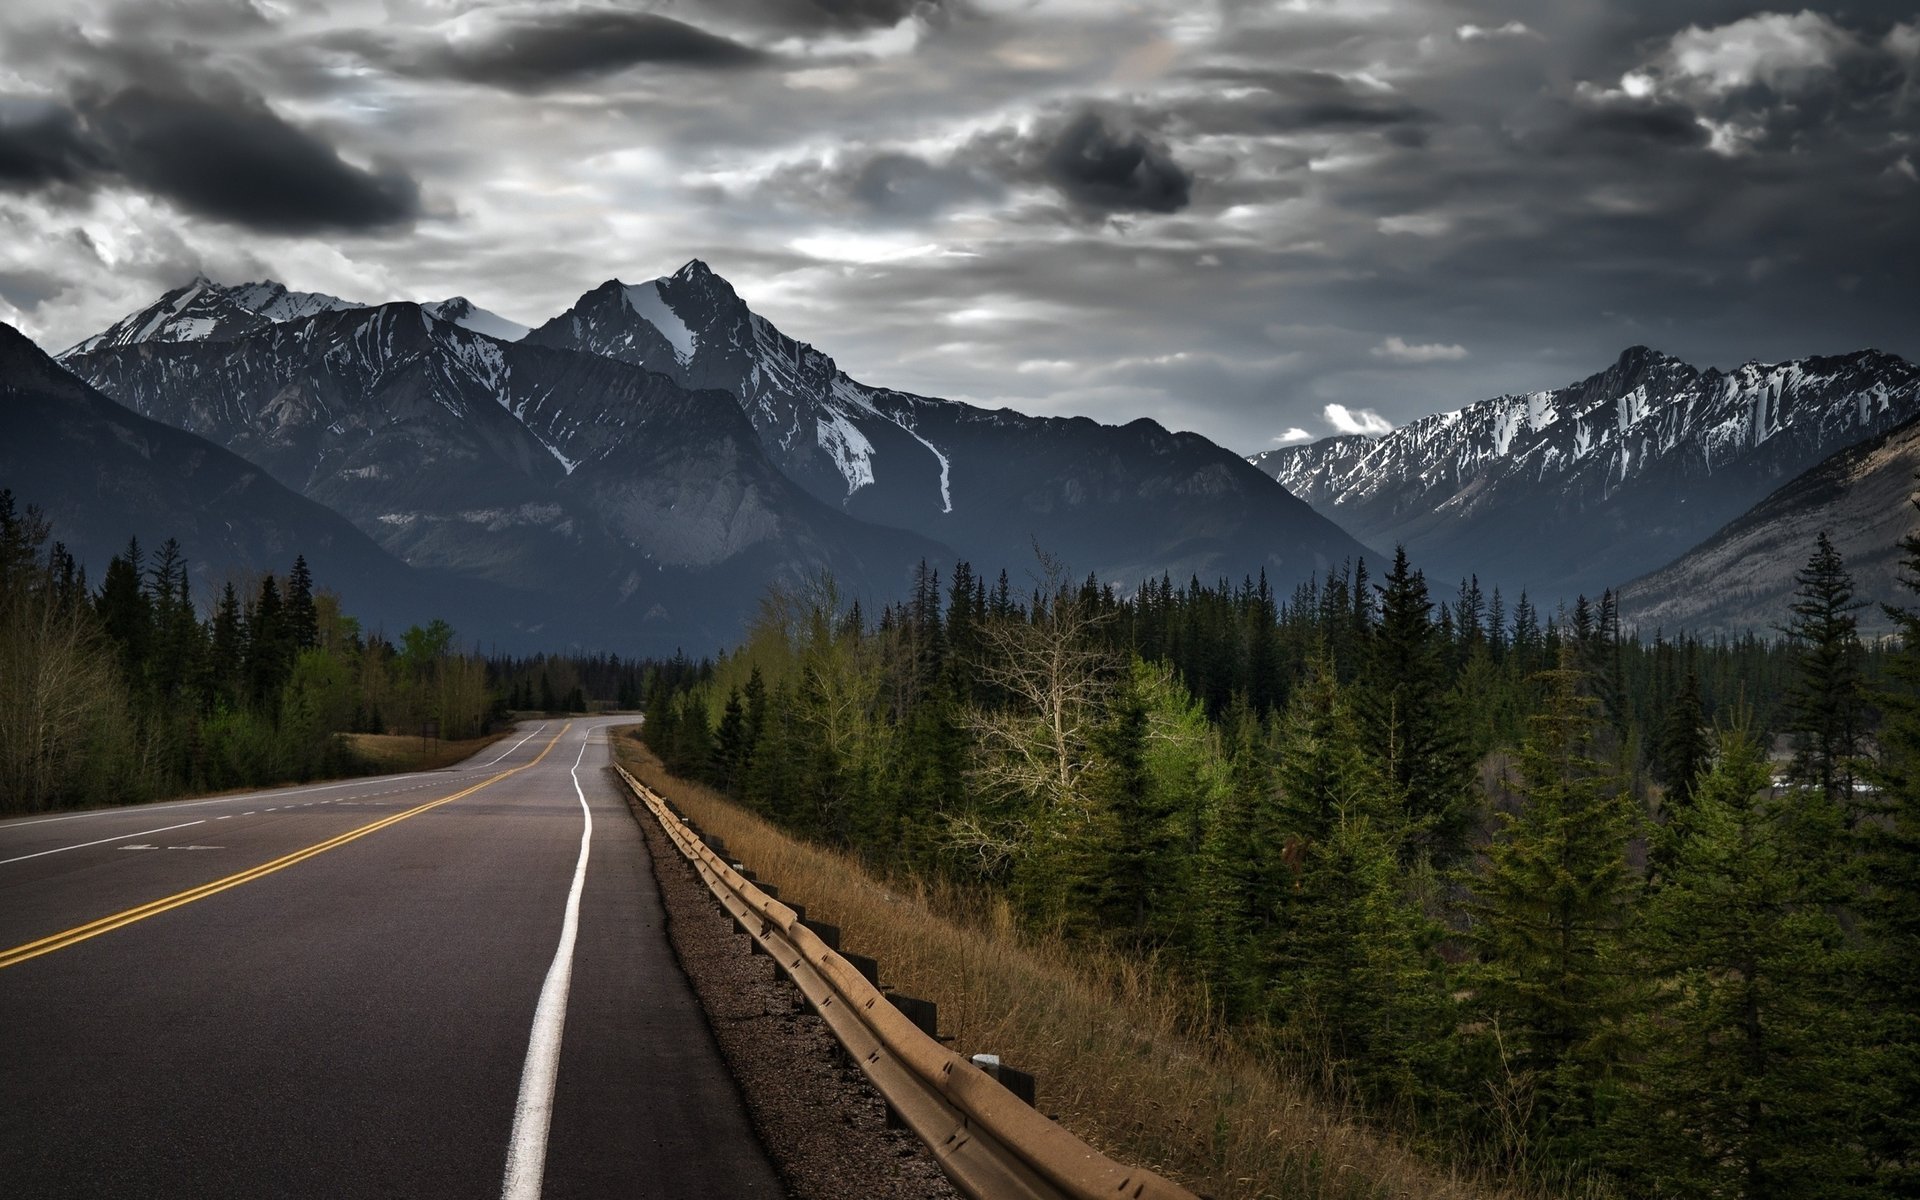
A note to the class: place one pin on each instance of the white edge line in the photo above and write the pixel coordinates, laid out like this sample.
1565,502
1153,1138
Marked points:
510,749
533,1110
119,837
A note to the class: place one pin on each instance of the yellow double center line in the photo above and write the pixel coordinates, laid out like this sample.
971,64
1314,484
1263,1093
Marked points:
94,929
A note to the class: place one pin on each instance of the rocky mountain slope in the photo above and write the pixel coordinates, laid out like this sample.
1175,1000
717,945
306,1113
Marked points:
103,474
1584,487
643,511
1741,578
1121,501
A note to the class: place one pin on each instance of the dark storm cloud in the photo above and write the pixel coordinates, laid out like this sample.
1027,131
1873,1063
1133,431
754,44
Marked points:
817,15
41,145
230,157
568,47
1102,169
225,155
1626,126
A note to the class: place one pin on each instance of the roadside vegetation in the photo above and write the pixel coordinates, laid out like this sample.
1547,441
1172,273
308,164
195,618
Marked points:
1131,1059
1426,896
128,691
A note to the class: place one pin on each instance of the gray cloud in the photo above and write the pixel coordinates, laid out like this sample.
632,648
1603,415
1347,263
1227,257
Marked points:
42,145
567,47
1102,169
230,157
1213,215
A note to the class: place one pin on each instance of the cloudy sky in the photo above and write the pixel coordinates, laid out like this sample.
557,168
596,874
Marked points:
1259,220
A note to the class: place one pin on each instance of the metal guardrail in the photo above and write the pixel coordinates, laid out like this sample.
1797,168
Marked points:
990,1143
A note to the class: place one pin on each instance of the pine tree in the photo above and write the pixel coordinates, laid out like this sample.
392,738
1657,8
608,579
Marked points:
1242,871
1550,907
227,650
269,657
1410,719
1826,706
302,618
1683,753
1743,1055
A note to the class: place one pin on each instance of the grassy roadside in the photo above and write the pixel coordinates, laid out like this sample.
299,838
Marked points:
393,753
1106,1037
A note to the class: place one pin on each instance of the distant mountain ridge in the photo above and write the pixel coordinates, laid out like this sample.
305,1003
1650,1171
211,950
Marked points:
104,474
642,510
1584,487
1124,502
665,452
205,311
1741,579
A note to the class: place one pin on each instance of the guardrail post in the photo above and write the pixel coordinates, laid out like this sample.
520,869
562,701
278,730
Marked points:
924,1013
1018,1082
868,967
830,934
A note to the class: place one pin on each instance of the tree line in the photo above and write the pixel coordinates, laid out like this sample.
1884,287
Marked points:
128,692
1575,903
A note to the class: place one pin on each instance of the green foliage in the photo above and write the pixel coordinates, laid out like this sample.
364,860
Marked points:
128,693
1550,910
1283,801
1749,1030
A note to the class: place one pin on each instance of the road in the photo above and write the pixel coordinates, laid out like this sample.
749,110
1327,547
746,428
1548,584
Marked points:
449,983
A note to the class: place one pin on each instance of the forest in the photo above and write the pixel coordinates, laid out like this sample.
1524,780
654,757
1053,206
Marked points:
129,691
1614,914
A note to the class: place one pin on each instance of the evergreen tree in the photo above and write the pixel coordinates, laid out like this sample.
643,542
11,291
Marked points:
124,611
1743,1053
228,650
1683,754
1550,907
1826,706
1411,721
730,745
302,618
268,651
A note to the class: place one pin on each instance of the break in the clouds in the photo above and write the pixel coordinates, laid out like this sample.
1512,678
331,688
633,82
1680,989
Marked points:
1262,220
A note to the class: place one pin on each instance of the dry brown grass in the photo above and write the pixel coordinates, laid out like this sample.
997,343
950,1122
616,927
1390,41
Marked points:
392,753
1107,1037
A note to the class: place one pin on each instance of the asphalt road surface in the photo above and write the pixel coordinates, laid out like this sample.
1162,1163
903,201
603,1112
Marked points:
450,983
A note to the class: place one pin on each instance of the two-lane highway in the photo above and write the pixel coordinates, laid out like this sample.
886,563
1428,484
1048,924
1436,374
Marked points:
451,983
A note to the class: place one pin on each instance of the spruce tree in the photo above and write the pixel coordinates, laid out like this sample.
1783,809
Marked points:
1410,718
1748,1054
1550,906
1683,753
303,619
1826,704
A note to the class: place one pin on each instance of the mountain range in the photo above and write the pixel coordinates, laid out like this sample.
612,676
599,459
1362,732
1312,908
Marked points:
1586,487
636,471
641,467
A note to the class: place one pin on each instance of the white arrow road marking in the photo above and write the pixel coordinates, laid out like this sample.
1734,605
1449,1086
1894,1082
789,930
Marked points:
103,841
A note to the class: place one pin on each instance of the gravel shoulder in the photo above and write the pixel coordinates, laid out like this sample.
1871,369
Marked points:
820,1120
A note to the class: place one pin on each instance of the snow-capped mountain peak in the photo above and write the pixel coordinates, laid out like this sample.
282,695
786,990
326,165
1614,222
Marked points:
466,314
1576,488
203,310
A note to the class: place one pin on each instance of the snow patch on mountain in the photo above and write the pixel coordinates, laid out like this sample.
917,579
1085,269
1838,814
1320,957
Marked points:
646,300
848,447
